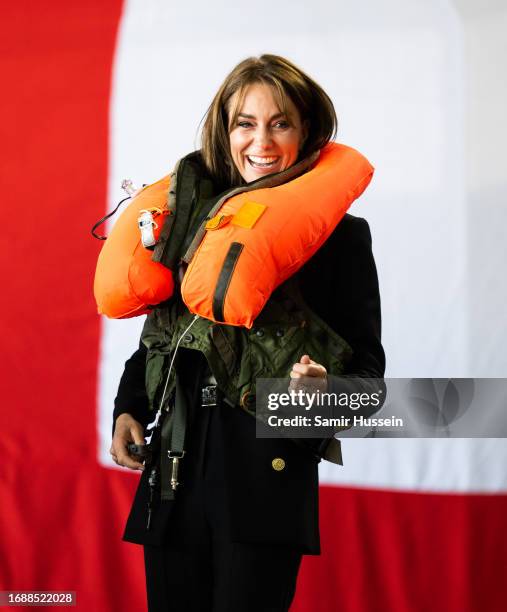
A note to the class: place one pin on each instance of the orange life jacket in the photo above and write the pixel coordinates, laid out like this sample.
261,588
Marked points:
252,243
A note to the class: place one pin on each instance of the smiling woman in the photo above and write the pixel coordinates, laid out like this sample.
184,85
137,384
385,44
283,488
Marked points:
210,544
263,139
265,108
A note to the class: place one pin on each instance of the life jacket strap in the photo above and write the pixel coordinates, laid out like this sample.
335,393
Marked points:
224,280
172,443
181,190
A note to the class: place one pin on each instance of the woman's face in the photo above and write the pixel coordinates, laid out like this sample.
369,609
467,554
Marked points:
264,140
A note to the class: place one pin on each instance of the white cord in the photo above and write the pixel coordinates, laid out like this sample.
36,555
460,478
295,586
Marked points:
159,413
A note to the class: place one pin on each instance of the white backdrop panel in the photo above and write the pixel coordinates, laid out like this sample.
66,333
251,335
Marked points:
395,71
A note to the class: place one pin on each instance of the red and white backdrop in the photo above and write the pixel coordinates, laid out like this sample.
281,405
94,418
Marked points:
94,92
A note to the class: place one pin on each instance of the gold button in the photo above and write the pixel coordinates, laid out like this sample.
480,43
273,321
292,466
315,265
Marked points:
278,464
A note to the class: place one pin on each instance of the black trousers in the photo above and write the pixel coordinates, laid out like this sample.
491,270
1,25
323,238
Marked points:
199,568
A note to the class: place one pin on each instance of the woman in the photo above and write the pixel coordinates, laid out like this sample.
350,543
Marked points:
232,535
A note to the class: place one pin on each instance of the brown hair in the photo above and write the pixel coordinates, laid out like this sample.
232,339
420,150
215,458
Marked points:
288,82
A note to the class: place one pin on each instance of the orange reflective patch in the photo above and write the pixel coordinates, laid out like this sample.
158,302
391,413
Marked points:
248,215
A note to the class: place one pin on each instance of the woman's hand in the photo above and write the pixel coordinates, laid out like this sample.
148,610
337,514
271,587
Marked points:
127,430
308,369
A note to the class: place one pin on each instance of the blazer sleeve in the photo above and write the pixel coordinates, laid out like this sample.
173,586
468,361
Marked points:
356,313
131,396
340,284
358,318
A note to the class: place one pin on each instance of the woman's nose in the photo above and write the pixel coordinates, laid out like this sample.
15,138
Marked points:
263,137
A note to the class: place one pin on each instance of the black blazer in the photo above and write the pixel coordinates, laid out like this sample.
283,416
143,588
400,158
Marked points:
265,505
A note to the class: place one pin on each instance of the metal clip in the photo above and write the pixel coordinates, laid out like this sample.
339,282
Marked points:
175,456
209,395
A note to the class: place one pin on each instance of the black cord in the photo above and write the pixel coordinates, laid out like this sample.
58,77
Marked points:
99,223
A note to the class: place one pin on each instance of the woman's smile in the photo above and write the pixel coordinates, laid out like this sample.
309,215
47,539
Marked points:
262,163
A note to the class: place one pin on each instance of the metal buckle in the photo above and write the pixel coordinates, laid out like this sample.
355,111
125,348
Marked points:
209,395
175,456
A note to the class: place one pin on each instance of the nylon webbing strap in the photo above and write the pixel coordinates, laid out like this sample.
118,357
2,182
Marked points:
173,442
231,259
165,468
167,251
225,348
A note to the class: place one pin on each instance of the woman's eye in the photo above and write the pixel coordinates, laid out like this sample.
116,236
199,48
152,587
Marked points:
282,124
244,124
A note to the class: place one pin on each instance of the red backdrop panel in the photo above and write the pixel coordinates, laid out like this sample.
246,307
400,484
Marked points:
406,552
60,527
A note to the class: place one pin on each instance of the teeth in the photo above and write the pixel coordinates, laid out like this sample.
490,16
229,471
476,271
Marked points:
263,161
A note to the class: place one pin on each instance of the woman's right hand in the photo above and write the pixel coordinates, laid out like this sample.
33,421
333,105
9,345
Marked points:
127,430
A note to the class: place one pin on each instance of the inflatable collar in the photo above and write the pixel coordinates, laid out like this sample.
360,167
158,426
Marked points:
250,242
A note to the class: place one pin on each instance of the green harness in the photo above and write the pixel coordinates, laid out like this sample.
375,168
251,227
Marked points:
285,329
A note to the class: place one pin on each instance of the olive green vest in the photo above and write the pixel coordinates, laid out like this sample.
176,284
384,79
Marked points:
285,330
